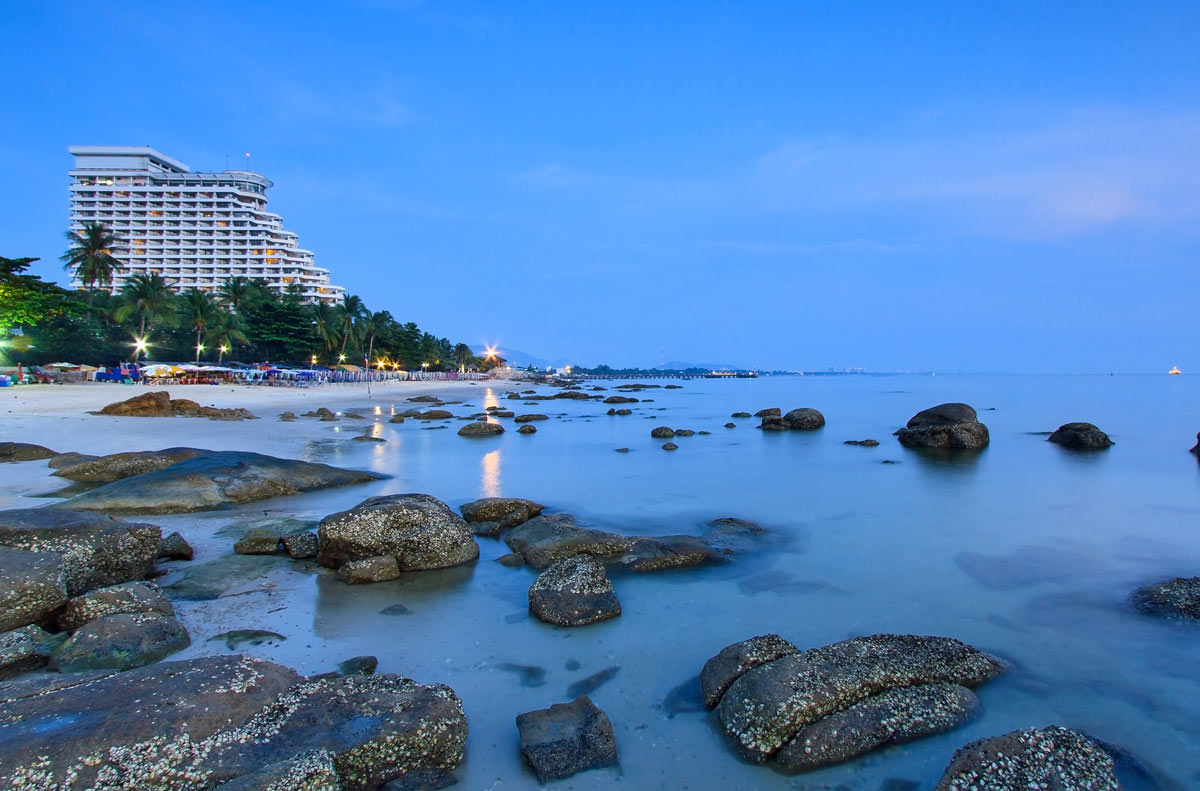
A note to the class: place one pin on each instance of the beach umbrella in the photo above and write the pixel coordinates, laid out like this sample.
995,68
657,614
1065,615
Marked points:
62,365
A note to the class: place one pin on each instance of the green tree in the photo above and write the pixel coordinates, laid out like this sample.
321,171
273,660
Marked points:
235,291
148,298
198,310
224,332
91,258
350,315
324,324
27,300
372,326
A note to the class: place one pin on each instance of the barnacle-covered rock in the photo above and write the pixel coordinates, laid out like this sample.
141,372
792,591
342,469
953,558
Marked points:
574,592
120,642
1052,757
31,586
1179,596
505,511
566,738
128,597
825,705
418,530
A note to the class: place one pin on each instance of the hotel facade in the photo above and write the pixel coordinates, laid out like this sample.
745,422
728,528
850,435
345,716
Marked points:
197,230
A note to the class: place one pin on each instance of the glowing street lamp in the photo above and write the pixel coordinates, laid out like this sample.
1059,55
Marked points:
199,348
223,348
139,347
314,359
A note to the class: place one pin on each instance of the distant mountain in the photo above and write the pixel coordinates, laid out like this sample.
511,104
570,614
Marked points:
519,359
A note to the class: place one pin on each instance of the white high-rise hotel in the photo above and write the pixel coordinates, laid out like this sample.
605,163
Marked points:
195,229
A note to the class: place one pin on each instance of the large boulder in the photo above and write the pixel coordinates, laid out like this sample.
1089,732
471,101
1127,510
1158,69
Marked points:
782,708
566,738
545,540
193,724
573,592
24,649
504,511
803,419
23,451
1179,596
155,404
128,597
419,530
1054,758
31,586
951,426
120,642
116,466
214,479
480,428
97,550
1080,436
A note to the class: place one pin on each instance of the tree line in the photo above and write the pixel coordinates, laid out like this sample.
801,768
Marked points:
246,319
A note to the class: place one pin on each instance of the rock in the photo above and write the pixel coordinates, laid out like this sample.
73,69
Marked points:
380,568
506,511
480,429
622,450
31,586
502,413
1053,757
420,531
396,419
23,451
97,550
424,399
301,544
128,598
574,395
545,540
237,637
898,715
623,412
213,479
772,423
573,592
769,412
120,642
202,722
670,446
527,429
511,560
741,414
684,432
434,414
367,438
156,404
662,432
616,399
68,459
184,407
1179,596
948,426
529,418
358,666
734,660
315,770
804,419
287,417
731,425
353,416
258,541
566,738
116,466
866,443
1080,436
768,706
486,529
173,547
667,552
24,649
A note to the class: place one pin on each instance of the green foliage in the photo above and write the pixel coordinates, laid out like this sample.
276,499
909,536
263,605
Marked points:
27,300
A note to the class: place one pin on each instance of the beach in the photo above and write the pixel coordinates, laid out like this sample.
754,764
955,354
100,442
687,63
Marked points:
1027,551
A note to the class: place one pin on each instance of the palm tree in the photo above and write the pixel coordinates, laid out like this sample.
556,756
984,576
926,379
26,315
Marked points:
372,325
325,321
148,297
90,257
350,313
198,309
224,331
236,291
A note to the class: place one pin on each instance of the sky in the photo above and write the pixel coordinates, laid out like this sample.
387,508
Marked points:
951,187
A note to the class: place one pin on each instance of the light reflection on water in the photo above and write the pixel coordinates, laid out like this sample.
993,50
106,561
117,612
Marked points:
489,486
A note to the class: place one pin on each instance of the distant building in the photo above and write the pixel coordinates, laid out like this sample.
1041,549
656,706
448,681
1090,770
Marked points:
195,229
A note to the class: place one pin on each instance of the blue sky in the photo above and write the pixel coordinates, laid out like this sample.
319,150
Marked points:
964,188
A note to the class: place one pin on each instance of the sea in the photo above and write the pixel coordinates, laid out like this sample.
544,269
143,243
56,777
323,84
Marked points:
1026,550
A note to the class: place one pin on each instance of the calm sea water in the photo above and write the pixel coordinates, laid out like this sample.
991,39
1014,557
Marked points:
1025,550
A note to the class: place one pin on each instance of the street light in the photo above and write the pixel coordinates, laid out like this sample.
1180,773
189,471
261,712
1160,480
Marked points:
139,347
224,348
314,359
199,348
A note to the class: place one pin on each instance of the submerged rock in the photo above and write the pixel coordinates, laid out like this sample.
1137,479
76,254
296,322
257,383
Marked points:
866,443
1179,596
116,466
803,419
531,417
174,547
213,479
573,592
24,451
419,531
566,738
24,649
380,568
781,707
202,722
97,550
258,541
545,540
505,511
1053,757
951,426
481,429
1080,436
662,432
